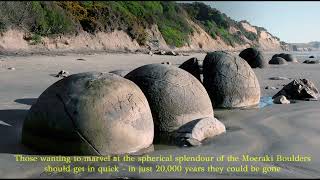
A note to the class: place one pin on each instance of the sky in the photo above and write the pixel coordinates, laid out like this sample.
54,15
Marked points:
291,21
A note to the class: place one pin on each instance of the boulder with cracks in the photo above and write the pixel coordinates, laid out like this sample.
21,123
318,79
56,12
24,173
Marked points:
194,132
230,81
90,114
175,96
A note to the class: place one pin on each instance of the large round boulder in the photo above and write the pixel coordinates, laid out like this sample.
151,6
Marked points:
254,57
287,57
278,60
90,114
290,58
175,96
193,67
229,81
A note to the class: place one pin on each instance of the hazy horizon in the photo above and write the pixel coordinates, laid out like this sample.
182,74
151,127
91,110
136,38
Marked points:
291,21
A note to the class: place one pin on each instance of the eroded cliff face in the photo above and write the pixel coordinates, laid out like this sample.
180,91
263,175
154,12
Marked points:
266,40
199,41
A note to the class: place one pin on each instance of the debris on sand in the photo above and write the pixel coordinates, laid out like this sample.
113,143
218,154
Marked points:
281,100
62,73
81,59
279,78
160,52
12,68
273,88
167,62
311,62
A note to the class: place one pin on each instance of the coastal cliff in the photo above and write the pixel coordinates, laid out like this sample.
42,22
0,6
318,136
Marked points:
38,26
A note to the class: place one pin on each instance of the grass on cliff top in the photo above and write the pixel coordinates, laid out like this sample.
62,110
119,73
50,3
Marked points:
46,18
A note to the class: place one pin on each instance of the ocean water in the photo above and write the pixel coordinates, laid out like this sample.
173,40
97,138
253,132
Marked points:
265,101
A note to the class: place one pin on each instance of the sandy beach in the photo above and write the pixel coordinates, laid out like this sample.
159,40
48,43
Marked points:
274,129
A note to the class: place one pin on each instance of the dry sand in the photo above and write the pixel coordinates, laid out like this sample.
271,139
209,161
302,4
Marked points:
275,129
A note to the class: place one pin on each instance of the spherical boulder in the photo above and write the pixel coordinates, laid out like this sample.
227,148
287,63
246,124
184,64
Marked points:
193,67
175,96
229,81
254,57
276,55
278,60
290,58
90,114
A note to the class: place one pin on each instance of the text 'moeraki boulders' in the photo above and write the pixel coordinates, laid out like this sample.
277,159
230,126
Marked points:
174,95
90,114
229,81
254,57
299,89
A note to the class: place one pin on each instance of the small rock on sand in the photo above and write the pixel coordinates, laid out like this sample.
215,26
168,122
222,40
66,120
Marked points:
311,56
63,73
311,62
80,59
279,78
12,68
281,100
168,63
273,88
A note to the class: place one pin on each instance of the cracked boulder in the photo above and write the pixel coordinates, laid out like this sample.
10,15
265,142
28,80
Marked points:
299,89
90,114
193,66
230,81
175,96
194,132
254,57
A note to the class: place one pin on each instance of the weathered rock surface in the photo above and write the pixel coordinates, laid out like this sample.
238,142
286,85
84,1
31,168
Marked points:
254,57
299,89
193,67
194,132
120,72
230,81
278,60
90,114
174,95
281,100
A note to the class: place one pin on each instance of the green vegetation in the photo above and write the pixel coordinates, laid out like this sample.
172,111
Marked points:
47,18
35,39
216,23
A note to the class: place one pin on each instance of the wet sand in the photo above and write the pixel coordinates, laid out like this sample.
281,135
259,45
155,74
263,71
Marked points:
275,129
